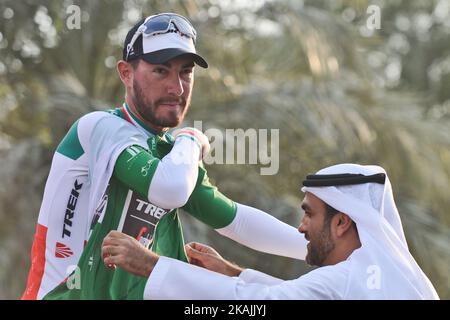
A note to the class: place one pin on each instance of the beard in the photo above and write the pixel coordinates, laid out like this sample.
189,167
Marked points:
320,247
149,110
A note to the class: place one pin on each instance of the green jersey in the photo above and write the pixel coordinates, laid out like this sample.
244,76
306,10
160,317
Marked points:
125,207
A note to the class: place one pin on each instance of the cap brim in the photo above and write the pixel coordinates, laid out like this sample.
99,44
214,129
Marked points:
164,55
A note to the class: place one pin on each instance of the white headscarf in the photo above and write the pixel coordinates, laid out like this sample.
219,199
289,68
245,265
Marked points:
383,268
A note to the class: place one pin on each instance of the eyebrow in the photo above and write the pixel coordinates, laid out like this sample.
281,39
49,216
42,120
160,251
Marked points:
306,207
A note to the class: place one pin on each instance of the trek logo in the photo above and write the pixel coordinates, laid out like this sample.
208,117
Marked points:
139,218
151,209
62,251
70,209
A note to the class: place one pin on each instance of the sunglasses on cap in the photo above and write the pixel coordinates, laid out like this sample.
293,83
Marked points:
163,23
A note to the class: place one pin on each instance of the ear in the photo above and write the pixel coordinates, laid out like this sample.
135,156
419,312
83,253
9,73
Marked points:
343,224
126,73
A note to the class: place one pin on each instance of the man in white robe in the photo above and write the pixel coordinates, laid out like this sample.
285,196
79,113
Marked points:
355,237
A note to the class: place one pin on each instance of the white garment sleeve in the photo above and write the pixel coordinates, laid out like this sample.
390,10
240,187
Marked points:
255,276
176,175
173,279
260,231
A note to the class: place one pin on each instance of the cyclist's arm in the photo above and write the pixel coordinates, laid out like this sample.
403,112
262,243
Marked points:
113,143
168,182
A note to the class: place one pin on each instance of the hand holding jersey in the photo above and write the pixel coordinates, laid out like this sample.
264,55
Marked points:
207,257
116,250
121,249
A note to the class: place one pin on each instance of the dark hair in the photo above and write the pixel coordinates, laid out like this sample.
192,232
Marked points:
330,212
134,63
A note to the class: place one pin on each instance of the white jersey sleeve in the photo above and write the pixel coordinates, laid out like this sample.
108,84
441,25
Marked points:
260,231
176,175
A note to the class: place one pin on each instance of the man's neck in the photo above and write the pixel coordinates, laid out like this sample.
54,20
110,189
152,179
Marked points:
144,123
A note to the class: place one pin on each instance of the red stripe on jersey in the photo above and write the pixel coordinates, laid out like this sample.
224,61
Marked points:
37,264
127,116
190,133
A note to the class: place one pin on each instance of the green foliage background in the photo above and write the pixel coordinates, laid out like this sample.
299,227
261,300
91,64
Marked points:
337,91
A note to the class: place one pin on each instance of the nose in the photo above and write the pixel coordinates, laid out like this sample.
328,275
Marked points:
302,226
175,86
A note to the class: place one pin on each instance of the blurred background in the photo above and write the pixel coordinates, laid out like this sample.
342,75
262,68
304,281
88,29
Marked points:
337,89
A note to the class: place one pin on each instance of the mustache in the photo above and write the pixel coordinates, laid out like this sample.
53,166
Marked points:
181,101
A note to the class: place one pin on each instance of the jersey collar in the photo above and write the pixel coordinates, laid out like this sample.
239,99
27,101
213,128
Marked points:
131,118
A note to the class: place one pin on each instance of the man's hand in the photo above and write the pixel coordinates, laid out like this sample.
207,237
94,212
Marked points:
196,134
121,250
208,258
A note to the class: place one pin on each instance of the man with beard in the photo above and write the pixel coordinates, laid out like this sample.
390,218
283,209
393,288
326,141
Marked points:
121,170
355,238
